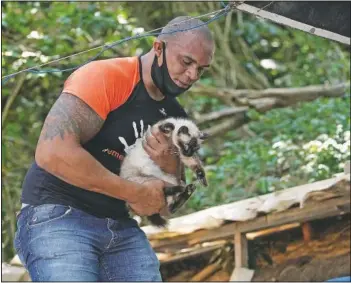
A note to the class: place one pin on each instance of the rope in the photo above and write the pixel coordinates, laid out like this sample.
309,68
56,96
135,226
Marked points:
218,14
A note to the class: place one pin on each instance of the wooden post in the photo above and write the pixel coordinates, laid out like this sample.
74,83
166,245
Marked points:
307,231
241,271
241,250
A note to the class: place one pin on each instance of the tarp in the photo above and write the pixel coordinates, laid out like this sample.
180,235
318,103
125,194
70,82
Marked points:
243,210
327,19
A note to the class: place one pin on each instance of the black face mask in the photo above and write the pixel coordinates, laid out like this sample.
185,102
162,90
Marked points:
161,77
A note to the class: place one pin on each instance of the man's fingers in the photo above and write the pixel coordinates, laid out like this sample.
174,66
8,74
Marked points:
157,142
150,151
159,136
152,142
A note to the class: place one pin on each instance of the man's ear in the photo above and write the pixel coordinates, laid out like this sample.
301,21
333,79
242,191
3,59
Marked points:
166,128
158,49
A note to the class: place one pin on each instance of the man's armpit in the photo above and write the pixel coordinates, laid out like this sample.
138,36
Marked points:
71,116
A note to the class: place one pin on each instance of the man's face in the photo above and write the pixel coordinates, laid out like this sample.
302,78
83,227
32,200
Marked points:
188,56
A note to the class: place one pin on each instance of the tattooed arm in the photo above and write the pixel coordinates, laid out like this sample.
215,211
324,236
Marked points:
70,123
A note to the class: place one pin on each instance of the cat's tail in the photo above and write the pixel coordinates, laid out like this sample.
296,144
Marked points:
157,220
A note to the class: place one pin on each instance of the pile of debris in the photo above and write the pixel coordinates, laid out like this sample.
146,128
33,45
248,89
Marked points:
283,231
280,255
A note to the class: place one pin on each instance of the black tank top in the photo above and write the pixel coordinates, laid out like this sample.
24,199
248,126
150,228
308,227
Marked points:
121,129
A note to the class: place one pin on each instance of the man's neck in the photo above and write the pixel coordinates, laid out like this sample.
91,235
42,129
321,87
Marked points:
146,63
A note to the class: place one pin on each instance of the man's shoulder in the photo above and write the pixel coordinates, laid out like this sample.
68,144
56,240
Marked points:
104,84
119,64
132,60
121,71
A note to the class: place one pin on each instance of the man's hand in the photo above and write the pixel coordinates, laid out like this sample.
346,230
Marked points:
149,198
161,151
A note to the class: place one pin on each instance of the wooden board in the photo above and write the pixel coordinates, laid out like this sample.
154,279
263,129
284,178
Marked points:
328,208
195,252
241,211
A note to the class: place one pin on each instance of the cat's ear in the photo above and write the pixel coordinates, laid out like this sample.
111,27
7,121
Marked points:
203,136
166,128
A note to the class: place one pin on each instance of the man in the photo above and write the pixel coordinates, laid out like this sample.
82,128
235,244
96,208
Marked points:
74,224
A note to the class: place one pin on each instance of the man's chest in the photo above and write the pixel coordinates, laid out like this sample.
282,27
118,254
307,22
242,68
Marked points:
123,128
126,124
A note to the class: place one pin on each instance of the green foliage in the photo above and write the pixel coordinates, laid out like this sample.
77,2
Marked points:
292,145
295,58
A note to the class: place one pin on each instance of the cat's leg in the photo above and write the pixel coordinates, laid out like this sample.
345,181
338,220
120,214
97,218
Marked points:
181,198
194,163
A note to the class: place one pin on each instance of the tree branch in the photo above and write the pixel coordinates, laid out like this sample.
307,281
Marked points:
12,97
201,119
262,101
284,95
225,126
312,92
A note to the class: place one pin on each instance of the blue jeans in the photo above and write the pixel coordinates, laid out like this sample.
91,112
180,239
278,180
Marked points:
61,243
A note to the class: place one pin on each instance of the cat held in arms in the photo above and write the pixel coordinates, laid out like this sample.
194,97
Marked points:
186,139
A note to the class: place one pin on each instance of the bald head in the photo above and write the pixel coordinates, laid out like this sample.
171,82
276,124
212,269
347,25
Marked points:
190,49
174,29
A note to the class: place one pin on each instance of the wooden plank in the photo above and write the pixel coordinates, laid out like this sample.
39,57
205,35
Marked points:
182,277
206,272
220,276
324,209
225,231
178,240
195,237
273,230
328,208
241,250
196,223
196,252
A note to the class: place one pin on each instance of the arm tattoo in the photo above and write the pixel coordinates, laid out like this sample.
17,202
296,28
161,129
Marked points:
72,117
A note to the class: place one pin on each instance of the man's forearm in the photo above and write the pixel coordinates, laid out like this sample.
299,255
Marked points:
69,123
78,167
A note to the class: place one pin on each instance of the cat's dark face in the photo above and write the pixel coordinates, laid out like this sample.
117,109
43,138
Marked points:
185,135
189,139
